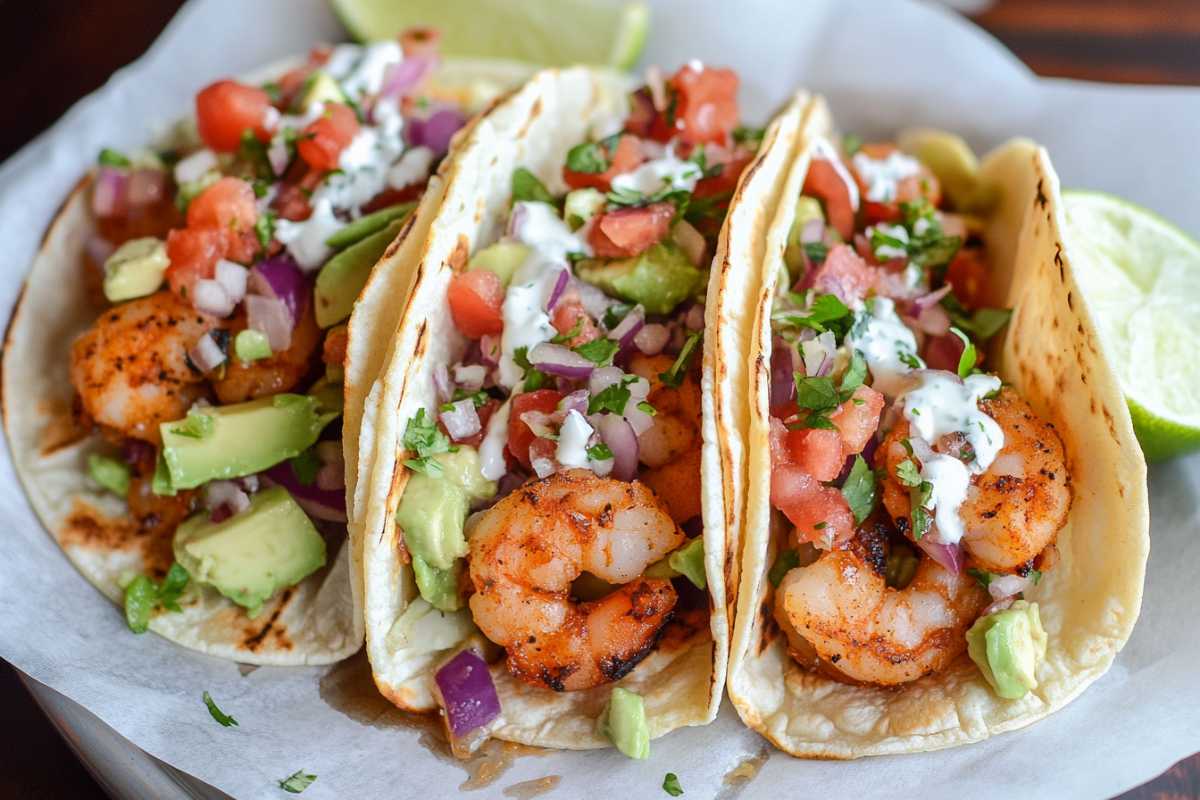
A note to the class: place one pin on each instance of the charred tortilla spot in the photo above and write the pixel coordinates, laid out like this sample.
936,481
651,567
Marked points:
254,639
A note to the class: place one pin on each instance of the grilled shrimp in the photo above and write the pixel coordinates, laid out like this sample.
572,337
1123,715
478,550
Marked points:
670,449
527,549
280,372
1015,509
131,368
841,617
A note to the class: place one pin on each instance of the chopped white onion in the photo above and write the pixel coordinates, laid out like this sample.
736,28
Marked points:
652,338
1003,586
206,354
195,166
270,315
470,377
228,494
695,318
462,420
233,278
543,467
210,297
603,378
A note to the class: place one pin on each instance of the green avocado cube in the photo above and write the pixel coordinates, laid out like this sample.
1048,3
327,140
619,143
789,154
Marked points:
660,278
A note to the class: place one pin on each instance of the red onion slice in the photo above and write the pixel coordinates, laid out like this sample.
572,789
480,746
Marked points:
554,359
603,378
652,338
783,374
441,384
575,401
560,286
934,321
206,354
919,304
280,276
489,349
110,195
812,231
271,316
224,499
950,556
470,376
436,130
467,693
620,438
317,502
462,420
402,77
193,167
628,327
694,319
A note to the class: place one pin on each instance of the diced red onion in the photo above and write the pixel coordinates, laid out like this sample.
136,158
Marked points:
224,499
271,316
193,167
690,241
554,359
950,556
489,349
249,483
147,187
543,467
1005,586
560,286
783,374
404,76
441,383
467,693
462,420
603,378
279,276
279,154
436,130
317,502
110,195
812,231
934,321
919,304
943,352
652,338
595,302
516,221
540,423
818,355
628,327
996,607
470,376
622,441
642,113
233,278
639,420
575,401
694,320
206,354
210,297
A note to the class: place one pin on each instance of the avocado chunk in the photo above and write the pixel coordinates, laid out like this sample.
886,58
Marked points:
581,205
239,439
953,163
660,278
321,88
1007,646
109,473
623,721
135,269
251,345
343,277
687,561
502,258
807,209
439,587
254,554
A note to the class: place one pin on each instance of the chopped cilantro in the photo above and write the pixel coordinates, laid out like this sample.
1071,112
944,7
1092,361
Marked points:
423,437
217,714
534,378
527,188
816,251
907,473
264,228
908,359
671,785
297,782
852,143
588,157
854,375
612,398
983,323
646,408
113,158
253,153
827,312
615,313
786,561
479,398
966,361
674,376
815,394
859,490
743,134
599,351
563,338
922,519
143,595
599,452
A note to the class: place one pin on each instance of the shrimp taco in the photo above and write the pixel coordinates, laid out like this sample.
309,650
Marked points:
173,382
947,521
545,515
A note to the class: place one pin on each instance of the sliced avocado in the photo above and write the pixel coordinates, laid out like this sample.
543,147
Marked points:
254,554
342,278
321,88
241,439
329,395
135,269
687,561
953,163
660,278
581,205
462,468
432,513
364,226
439,587
623,721
502,258
1007,646
807,209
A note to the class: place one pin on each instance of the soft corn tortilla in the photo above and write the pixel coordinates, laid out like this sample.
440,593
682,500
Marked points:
681,680
319,620
1089,602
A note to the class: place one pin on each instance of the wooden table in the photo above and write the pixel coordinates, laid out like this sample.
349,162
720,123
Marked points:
53,52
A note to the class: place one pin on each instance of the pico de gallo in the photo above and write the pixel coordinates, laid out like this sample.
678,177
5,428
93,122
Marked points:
226,263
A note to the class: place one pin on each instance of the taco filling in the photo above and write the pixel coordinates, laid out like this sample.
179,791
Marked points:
554,492
226,265
922,496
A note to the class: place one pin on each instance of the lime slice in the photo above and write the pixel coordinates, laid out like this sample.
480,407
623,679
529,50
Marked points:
1141,277
549,32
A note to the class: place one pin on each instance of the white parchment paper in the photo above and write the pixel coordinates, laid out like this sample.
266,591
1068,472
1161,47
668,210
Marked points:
883,65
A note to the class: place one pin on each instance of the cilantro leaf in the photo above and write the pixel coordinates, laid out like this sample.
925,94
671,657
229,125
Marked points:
588,157
852,143
534,378
217,714
599,351
671,785
859,490
786,561
674,376
816,394
615,313
966,361
141,596
563,338
527,188
854,376
983,577
816,251
922,517
827,312
908,474
253,153
743,134
113,158
423,437
173,584
297,782
983,323
264,229
646,408
599,452
612,398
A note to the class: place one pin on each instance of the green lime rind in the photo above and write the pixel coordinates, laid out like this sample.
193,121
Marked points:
601,32
1138,273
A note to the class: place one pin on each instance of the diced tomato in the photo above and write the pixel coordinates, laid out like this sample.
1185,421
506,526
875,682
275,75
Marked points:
475,299
325,137
825,183
706,107
291,83
626,156
629,231
520,436
857,419
291,203
570,312
820,513
845,274
225,109
968,274
817,451
725,181
875,213
227,204
194,253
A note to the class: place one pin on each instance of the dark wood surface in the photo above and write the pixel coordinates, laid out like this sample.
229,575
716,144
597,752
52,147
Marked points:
52,52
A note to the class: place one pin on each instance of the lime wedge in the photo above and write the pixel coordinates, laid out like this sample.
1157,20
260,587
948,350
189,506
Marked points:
1141,278
550,32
